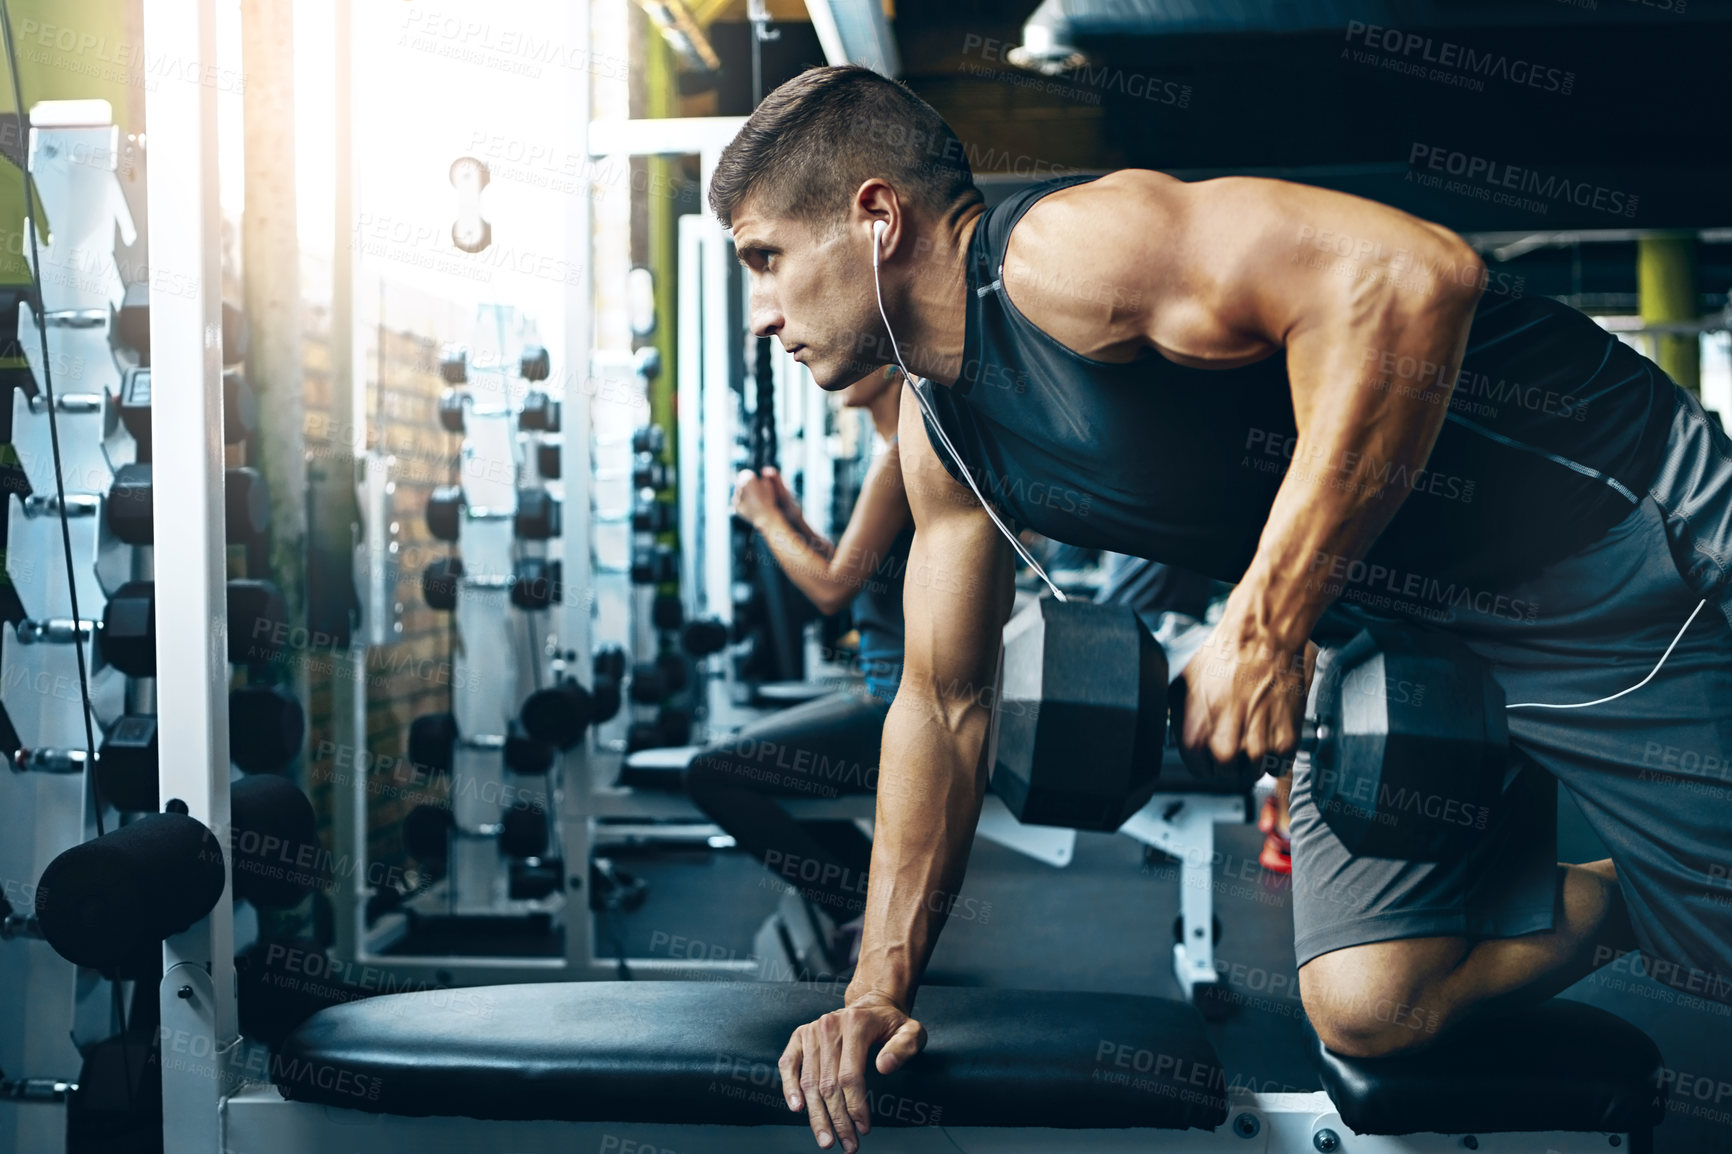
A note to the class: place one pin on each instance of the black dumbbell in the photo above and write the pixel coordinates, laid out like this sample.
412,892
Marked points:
702,638
432,745
538,515
126,764
651,439
671,727
132,326
651,681
547,458
126,638
537,583
540,413
427,832
524,754
667,612
649,515
265,729
609,661
523,832
648,473
440,582
654,565
240,407
451,409
128,510
534,364
560,714
529,881
454,365
445,512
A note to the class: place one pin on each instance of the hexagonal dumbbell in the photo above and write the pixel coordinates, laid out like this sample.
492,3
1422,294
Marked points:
445,507
440,583
130,516
534,364
538,515
540,413
537,583
654,565
126,639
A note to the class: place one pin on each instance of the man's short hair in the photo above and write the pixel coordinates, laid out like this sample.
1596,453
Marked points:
815,140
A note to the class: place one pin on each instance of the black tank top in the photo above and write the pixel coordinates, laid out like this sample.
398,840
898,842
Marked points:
1555,431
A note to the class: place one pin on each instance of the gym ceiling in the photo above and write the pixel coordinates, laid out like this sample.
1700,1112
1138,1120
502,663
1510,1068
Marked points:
1359,95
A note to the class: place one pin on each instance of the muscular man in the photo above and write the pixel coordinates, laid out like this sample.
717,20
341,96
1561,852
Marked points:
1314,397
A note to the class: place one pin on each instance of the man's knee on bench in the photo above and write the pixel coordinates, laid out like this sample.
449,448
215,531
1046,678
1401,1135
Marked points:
1381,998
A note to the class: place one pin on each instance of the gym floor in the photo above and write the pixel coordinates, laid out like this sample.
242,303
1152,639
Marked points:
1104,923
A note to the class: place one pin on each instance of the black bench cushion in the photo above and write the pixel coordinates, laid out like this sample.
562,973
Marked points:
1560,1065
706,1052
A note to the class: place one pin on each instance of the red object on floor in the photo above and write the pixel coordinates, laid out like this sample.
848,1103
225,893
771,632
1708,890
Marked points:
1277,855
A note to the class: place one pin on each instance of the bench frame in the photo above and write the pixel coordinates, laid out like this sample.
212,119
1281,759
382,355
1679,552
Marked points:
258,1121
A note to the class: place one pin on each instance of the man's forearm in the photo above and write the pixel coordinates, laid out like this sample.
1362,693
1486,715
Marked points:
1361,455
931,781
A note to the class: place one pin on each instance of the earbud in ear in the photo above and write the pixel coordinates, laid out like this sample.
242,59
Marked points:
878,227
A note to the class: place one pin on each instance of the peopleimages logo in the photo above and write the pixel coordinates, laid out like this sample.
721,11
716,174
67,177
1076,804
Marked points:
1501,183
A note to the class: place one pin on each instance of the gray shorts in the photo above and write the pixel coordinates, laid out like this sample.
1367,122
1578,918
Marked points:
1651,771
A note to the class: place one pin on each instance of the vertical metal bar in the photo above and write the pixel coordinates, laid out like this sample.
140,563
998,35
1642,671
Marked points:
191,605
576,467
1667,293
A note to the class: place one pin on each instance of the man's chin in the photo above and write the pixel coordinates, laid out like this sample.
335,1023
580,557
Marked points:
835,379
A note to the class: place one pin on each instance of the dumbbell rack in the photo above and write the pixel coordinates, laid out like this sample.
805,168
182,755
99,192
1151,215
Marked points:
46,1006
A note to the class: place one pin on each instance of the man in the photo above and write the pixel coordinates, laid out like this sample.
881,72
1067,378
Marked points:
1311,396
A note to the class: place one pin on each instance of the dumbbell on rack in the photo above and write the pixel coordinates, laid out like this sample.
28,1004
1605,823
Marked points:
654,681
654,565
540,413
126,635
648,473
129,510
240,408
547,457
538,515
266,728
536,584
650,439
649,515
672,726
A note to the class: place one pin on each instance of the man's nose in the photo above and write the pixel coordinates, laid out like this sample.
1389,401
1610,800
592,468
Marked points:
766,319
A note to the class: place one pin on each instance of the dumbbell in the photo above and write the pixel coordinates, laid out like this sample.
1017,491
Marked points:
1082,723
648,473
547,458
667,612
440,582
427,832
540,413
651,439
654,565
649,515
526,755
609,669
445,512
560,714
523,832
609,661
126,635
652,681
240,408
538,583
704,637
672,726
538,515
454,365
432,744
534,364
452,404
128,510
132,326
266,728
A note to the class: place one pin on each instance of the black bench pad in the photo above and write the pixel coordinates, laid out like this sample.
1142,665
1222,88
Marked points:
1560,1065
706,1053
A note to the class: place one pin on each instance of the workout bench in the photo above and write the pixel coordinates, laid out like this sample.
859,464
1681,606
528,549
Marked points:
690,1067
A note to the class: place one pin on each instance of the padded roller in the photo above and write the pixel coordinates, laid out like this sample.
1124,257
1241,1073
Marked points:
102,902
